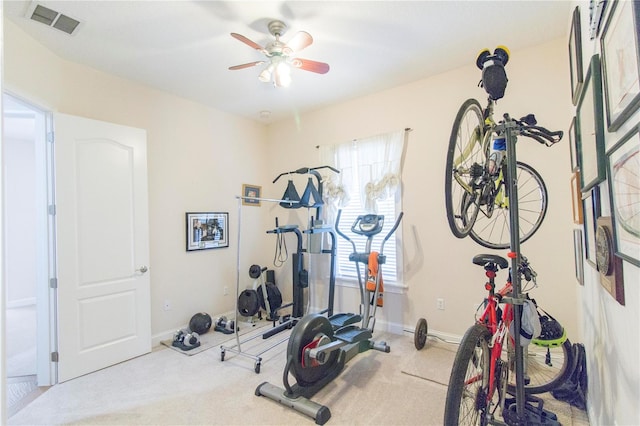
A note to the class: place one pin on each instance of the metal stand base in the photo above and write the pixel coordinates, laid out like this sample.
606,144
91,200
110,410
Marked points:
533,415
320,413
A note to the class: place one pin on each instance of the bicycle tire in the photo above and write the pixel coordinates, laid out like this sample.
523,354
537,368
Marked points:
540,376
493,231
465,150
469,381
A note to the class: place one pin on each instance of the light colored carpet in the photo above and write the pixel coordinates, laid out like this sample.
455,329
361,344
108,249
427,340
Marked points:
164,389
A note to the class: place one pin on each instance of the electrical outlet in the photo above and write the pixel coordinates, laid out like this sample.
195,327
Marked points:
226,290
440,304
167,305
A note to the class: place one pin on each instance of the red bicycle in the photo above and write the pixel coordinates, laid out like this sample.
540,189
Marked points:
483,370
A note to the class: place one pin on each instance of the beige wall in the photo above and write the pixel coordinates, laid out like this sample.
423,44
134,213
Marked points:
197,160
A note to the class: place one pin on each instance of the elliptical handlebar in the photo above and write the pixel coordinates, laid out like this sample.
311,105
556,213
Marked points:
393,229
343,235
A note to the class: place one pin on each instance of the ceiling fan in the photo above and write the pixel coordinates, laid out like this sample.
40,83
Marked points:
281,56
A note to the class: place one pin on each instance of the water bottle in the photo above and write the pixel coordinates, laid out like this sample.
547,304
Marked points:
498,151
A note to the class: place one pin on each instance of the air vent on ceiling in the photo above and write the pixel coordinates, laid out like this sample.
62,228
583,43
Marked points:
52,18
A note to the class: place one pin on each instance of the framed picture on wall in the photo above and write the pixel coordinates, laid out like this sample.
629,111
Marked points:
207,230
620,47
623,163
575,56
251,195
591,210
578,255
573,148
590,126
576,197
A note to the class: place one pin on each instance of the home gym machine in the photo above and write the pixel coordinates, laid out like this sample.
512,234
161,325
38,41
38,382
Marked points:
319,347
311,198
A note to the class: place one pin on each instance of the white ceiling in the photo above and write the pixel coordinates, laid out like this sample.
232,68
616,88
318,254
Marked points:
185,47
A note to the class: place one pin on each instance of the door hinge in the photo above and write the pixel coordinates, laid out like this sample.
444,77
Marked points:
55,357
52,209
50,137
53,283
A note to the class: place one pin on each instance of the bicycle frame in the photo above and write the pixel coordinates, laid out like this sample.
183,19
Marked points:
498,326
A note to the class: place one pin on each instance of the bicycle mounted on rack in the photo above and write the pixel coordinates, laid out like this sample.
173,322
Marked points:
476,171
479,376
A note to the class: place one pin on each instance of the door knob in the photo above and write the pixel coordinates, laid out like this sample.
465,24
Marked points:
142,270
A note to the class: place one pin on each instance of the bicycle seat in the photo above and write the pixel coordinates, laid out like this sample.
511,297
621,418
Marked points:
483,259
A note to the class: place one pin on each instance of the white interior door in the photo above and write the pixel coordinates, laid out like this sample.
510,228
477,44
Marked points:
102,244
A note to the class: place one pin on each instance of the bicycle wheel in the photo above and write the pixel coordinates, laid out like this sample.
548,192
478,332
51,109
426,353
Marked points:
466,158
492,228
546,367
466,402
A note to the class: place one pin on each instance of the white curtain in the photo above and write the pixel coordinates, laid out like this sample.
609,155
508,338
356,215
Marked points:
373,163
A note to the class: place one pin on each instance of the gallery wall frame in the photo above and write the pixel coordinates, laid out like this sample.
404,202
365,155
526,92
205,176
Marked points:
623,165
576,198
590,135
578,255
620,47
575,56
249,192
592,211
207,230
573,147
609,265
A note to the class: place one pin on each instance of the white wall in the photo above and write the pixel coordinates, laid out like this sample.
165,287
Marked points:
197,161
610,330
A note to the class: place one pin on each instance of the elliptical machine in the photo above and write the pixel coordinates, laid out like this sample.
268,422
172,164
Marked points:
319,347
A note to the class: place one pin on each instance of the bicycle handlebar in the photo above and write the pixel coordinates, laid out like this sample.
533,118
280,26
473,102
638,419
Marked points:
527,126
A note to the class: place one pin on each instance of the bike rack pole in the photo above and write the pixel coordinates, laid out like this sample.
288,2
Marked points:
512,188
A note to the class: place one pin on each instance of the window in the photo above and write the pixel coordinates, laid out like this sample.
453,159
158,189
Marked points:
369,182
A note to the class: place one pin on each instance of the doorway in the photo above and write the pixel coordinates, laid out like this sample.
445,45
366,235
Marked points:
28,255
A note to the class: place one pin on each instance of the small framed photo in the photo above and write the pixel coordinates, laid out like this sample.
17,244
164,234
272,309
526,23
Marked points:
251,195
207,231
575,56
576,197
591,210
620,47
623,162
578,255
591,157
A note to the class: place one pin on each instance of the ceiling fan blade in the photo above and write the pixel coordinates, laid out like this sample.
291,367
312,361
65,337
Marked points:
246,41
249,65
309,65
299,41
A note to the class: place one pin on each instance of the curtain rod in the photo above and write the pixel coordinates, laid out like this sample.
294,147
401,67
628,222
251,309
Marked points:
406,129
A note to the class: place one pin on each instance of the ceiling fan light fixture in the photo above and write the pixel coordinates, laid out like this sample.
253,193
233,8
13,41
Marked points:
265,75
282,75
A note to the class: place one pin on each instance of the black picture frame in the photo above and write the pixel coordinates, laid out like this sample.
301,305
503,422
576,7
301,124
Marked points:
591,210
623,165
573,147
575,56
620,47
578,255
207,230
590,134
